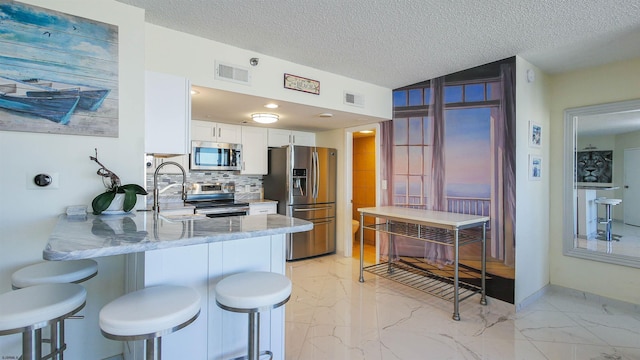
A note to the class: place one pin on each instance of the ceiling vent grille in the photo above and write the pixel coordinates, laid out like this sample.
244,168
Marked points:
354,99
232,73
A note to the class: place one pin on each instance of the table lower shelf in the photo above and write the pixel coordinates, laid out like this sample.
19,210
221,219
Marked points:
423,280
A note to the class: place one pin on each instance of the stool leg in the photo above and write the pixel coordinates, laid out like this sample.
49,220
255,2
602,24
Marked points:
608,229
154,349
254,335
32,345
55,340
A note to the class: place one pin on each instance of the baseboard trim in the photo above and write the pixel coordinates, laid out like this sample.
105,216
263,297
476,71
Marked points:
532,298
115,357
603,300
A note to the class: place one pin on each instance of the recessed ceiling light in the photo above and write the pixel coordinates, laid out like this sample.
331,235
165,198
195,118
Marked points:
195,92
263,118
271,106
325,115
366,131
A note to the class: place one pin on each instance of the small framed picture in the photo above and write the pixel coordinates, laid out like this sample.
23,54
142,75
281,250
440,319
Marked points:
535,134
535,167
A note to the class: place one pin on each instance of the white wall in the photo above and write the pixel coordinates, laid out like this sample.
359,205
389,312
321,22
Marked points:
193,57
603,84
532,204
28,216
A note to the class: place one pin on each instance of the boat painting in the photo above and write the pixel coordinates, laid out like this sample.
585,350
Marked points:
56,106
90,97
62,57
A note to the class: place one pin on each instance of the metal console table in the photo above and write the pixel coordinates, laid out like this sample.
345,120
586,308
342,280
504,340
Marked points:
440,227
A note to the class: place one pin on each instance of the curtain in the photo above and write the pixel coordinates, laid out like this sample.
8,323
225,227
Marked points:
507,73
386,174
437,253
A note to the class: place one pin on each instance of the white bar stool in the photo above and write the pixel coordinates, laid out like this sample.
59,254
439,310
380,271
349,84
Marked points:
53,272
253,292
149,314
49,272
608,203
30,309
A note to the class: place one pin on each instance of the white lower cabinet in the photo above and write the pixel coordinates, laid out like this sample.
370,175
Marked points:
216,334
263,208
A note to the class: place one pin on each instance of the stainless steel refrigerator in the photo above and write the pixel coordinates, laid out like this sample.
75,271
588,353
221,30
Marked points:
303,181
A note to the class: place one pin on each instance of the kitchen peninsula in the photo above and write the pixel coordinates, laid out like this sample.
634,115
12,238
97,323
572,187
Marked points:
189,250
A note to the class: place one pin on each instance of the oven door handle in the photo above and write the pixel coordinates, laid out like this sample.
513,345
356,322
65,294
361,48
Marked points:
207,211
226,214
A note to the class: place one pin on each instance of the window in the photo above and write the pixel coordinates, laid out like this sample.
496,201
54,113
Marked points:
415,97
467,147
399,98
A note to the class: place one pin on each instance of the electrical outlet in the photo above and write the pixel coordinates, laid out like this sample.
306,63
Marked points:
247,188
53,184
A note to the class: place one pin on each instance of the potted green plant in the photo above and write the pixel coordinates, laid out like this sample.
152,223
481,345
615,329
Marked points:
114,187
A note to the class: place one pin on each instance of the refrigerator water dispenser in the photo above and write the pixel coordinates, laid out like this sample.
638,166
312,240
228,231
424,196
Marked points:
299,182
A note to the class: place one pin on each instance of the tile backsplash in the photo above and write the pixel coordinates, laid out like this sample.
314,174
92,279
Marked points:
247,187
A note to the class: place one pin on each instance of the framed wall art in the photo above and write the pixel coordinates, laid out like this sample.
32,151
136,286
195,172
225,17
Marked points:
535,167
59,72
535,134
299,83
594,167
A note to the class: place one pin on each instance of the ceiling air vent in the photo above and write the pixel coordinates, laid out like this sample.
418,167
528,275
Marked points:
354,99
232,73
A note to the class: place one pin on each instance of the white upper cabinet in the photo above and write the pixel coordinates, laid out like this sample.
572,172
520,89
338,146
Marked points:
152,164
254,151
279,137
167,114
216,132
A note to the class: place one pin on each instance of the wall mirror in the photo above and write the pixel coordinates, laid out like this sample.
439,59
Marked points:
601,158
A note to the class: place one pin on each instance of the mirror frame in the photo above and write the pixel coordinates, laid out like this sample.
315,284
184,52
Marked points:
570,138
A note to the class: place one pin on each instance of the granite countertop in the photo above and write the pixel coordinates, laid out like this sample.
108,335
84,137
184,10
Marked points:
105,235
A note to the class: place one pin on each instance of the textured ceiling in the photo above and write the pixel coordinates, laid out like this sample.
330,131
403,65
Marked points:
398,43
394,43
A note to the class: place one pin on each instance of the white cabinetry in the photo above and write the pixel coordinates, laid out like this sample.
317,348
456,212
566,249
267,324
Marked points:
216,334
279,137
154,162
587,214
215,132
167,114
262,208
254,151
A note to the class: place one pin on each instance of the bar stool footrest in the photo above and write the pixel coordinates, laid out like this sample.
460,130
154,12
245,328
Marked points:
262,353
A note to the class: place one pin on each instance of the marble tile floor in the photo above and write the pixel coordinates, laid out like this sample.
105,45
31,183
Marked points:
332,316
628,240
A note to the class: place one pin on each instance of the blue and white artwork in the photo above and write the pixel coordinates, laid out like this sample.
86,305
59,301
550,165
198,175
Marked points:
58,72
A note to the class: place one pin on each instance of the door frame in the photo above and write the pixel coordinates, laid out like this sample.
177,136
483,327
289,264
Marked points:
347,235
625,182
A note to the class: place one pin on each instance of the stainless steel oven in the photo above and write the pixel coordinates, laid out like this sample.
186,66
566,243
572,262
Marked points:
216,200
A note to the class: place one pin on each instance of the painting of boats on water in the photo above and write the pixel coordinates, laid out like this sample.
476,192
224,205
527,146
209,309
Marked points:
58,72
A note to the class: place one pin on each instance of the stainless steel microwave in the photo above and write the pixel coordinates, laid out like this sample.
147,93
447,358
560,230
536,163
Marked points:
209,156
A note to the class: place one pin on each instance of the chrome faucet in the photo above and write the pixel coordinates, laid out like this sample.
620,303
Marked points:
156,192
